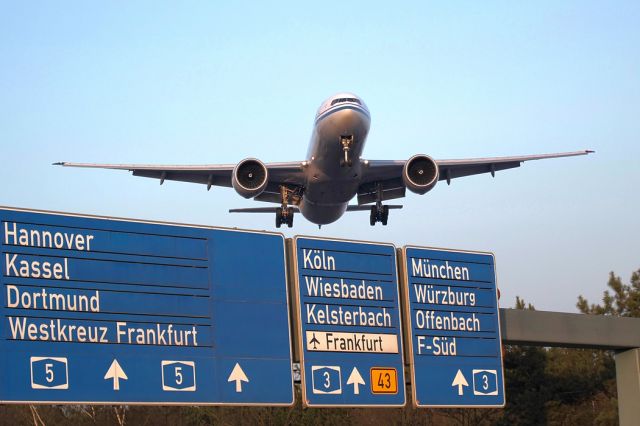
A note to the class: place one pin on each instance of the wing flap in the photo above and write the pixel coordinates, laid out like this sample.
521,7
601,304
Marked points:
452,172
205,177
390,189
388,194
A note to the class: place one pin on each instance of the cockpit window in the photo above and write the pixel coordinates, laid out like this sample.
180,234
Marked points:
341,100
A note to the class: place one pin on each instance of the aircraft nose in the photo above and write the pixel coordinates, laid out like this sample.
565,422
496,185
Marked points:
349,118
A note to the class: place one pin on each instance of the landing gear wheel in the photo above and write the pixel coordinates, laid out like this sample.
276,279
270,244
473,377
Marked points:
289,218
284,213
385,215
379,214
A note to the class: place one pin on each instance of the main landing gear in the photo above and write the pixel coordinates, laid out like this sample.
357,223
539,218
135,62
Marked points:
284,214
379,213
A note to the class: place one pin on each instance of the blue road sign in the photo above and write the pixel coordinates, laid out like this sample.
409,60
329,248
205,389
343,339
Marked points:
348,323
451,311
100,310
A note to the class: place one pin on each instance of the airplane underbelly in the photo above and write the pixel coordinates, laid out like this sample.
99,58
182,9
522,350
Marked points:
331,191
321,214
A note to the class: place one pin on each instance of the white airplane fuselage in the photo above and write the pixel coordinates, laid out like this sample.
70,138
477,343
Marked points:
331,181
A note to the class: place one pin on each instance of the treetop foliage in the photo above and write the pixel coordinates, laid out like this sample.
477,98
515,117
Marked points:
622,300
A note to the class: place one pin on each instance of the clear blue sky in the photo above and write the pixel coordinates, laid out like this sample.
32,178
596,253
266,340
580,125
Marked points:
215,82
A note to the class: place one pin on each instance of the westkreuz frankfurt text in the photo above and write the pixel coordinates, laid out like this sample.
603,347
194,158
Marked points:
18,265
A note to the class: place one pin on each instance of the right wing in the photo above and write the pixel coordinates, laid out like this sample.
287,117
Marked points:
386,175
289,173
451,169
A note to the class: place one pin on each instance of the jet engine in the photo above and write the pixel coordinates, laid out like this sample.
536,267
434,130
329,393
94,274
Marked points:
420,174
250,177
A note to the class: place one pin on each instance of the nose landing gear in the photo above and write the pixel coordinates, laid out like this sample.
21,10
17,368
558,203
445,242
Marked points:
346,141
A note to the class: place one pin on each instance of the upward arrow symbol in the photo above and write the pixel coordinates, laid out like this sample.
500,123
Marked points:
238,376
356,380
116,373
459,381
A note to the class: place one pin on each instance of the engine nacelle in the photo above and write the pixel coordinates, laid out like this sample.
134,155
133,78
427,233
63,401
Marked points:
250,177
420,174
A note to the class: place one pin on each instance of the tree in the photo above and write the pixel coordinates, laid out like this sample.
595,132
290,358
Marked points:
583,380
623,302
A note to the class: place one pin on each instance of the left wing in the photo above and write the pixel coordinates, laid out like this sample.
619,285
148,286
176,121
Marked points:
386,175
289,173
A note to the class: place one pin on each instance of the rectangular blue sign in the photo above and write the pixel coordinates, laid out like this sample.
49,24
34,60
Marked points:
451,315
99,310
349,325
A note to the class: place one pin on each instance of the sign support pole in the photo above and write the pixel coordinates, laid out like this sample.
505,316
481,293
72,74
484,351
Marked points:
628,382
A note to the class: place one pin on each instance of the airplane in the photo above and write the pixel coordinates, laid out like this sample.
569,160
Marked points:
333,172
315,342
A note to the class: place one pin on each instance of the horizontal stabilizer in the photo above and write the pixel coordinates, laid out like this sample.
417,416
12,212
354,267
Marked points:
351,208
356,208
259,210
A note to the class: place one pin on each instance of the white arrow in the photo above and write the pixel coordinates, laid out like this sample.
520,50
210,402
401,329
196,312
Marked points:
116,373
356,380
460,381
238,376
